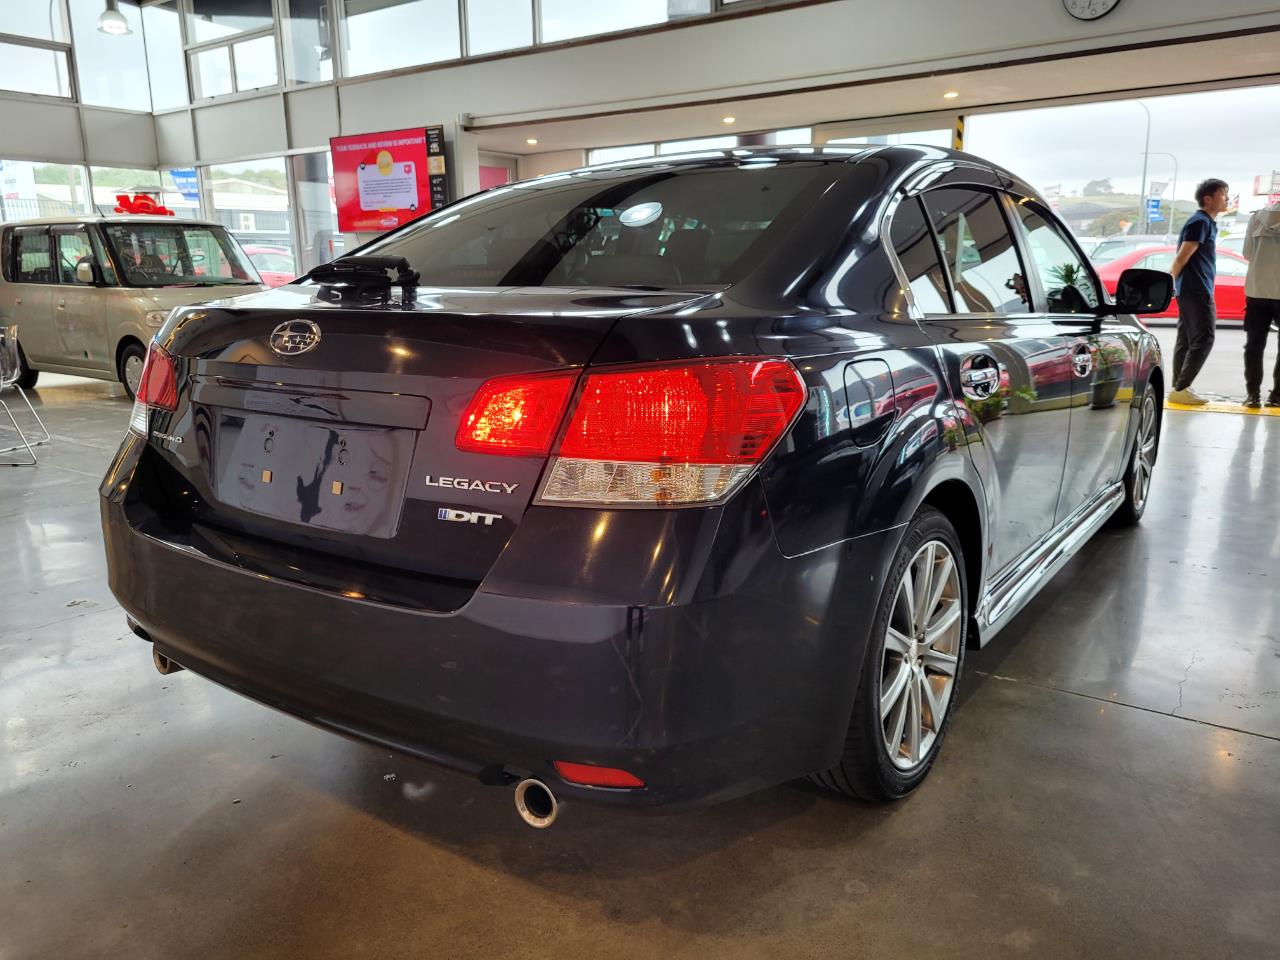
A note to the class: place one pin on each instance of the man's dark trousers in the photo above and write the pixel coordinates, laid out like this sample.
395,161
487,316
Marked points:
1197,318
1259,314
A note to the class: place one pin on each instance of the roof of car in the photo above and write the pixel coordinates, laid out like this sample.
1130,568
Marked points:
108,218
836,153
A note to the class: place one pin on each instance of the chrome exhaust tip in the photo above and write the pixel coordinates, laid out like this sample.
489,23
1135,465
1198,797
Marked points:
536,804
164,666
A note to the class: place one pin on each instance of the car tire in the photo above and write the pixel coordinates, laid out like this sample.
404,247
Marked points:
870,769
1142,461
134,353
27,377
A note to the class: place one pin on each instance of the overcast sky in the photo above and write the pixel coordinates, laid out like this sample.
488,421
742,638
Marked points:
1232,134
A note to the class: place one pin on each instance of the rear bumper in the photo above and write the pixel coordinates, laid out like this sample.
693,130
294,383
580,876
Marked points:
729,691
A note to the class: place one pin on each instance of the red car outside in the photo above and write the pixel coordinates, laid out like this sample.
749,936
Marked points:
274,264
1228,291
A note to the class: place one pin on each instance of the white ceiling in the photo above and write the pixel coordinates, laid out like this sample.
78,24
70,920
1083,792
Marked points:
1221,62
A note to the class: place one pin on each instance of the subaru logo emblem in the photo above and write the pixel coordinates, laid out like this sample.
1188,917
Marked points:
294,337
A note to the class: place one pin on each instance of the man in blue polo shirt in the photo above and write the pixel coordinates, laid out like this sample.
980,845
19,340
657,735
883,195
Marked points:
1195,270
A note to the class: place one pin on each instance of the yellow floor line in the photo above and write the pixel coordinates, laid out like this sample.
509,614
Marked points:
1224,406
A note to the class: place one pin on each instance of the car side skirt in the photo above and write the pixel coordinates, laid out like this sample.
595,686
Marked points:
1014,590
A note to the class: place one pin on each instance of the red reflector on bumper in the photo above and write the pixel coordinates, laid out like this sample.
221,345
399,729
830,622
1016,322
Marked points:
589,775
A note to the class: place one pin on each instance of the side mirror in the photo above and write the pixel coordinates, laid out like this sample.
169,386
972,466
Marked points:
85,272
1144,291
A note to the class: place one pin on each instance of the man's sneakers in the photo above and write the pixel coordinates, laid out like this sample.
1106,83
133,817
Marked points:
1274,399
1187,397
1253,402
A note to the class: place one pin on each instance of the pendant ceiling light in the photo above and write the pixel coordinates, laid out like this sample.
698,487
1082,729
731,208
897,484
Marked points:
112,21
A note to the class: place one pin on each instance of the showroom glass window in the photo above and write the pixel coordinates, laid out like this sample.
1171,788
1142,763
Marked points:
494,25
1064,277
42,190
704,143
681,228
219,19
568,19
390,34
232,46
917,253
112,70
610,154
317,216
979,252
305,30
251,199
30,68
108,182
162,29
181,196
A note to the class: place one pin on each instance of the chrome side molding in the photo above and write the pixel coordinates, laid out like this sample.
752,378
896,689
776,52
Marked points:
1014,590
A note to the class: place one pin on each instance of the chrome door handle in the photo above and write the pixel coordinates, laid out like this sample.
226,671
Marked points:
979,376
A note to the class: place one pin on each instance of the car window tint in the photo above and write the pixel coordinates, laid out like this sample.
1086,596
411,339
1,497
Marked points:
913,243
979,251
1156,261
32,262
1230,267
1067,285
611,227
72,247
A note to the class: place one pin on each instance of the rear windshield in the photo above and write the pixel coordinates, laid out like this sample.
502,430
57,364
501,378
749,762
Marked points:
168,254
671,227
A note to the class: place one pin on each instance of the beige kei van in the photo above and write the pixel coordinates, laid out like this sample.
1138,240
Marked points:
88,293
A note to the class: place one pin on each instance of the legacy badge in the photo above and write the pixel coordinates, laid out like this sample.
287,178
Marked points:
463,483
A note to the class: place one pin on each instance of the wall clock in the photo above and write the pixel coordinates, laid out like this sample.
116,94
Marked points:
1090,9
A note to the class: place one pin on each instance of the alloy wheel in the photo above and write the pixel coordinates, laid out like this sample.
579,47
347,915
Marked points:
1145,459
133,373
921,655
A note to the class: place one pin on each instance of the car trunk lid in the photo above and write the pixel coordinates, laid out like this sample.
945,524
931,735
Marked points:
332,428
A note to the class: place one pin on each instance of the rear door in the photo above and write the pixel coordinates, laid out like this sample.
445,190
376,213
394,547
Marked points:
79,309
1103,355
1006,364
29,270
1228,290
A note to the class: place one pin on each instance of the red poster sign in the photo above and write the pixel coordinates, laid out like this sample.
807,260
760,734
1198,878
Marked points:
381,180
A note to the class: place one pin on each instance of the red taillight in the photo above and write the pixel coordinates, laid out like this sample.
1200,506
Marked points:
159,384
589,775
712,412
657,435
158,388
516,416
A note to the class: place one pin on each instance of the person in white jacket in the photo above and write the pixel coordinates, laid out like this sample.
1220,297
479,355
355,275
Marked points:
1262,301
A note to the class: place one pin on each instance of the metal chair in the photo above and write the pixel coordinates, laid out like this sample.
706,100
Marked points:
10,371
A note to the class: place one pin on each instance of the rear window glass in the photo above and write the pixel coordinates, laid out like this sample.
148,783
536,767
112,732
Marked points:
913,243
665,227
31,257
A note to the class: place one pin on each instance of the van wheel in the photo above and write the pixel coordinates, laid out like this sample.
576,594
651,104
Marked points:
911,667
1141,463
132,359
26,376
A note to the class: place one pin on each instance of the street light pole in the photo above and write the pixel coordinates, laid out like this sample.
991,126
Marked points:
1146,150
1173,195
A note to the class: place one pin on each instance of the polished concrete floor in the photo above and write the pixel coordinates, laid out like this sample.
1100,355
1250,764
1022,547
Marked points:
1110,786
